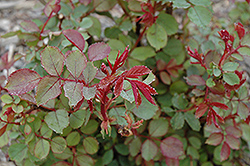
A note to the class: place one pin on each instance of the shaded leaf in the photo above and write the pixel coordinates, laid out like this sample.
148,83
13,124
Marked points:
135,146
234,131
76,63
22,81
225,152
172,161
42,148
149,150
84,160
233,142
75,38
61,163
52,60
177,121
195,80
48,88
57,120
3,129
98,51
165,77
192,121
73,138
158,127
77,118
171,147
91,145
243,110
58,144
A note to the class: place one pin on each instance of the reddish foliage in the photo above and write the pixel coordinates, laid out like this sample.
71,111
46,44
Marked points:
148,18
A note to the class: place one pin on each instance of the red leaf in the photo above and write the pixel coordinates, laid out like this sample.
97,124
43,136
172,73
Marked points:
28,97
160,64
220,105
195,80
215,139
233,142
118,86
136,93
52,6
29,26
173,68
218,88
217,115
234,131
5,63
165,77
136,71
171,147
119,61
201,109
225,152
75,38
98,51
172,162
85,2
240,29
146,90
248,1
3,129
22,81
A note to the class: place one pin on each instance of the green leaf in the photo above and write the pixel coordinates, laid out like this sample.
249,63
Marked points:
175,87
149,150
17,152
177,121
158,127
244,51
168,22
90,128
7,99
210,82
76,63
135,146
95,29
180,101
200,15
86,22
195,142
157,36
73,138
231,78
193,122
245,132
107,157
243,110
42,148
77,118
193,152
122,149
246,39
58,144
89,72
173,48
146,110
126,25
88,92
73,91
217,72
57,120
230,66
91,145
112,32
181,4
48,88
52,60
201,2
142,53
118,113
104,5
45,131
84,160
67,153
17,108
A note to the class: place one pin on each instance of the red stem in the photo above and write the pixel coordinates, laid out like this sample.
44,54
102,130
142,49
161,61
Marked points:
103,107
50,16
16,123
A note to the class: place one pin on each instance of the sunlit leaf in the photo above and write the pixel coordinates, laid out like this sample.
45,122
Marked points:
42,148
17,152
225,151
73,91
58,144
98,51
75,38
52,60
91,145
